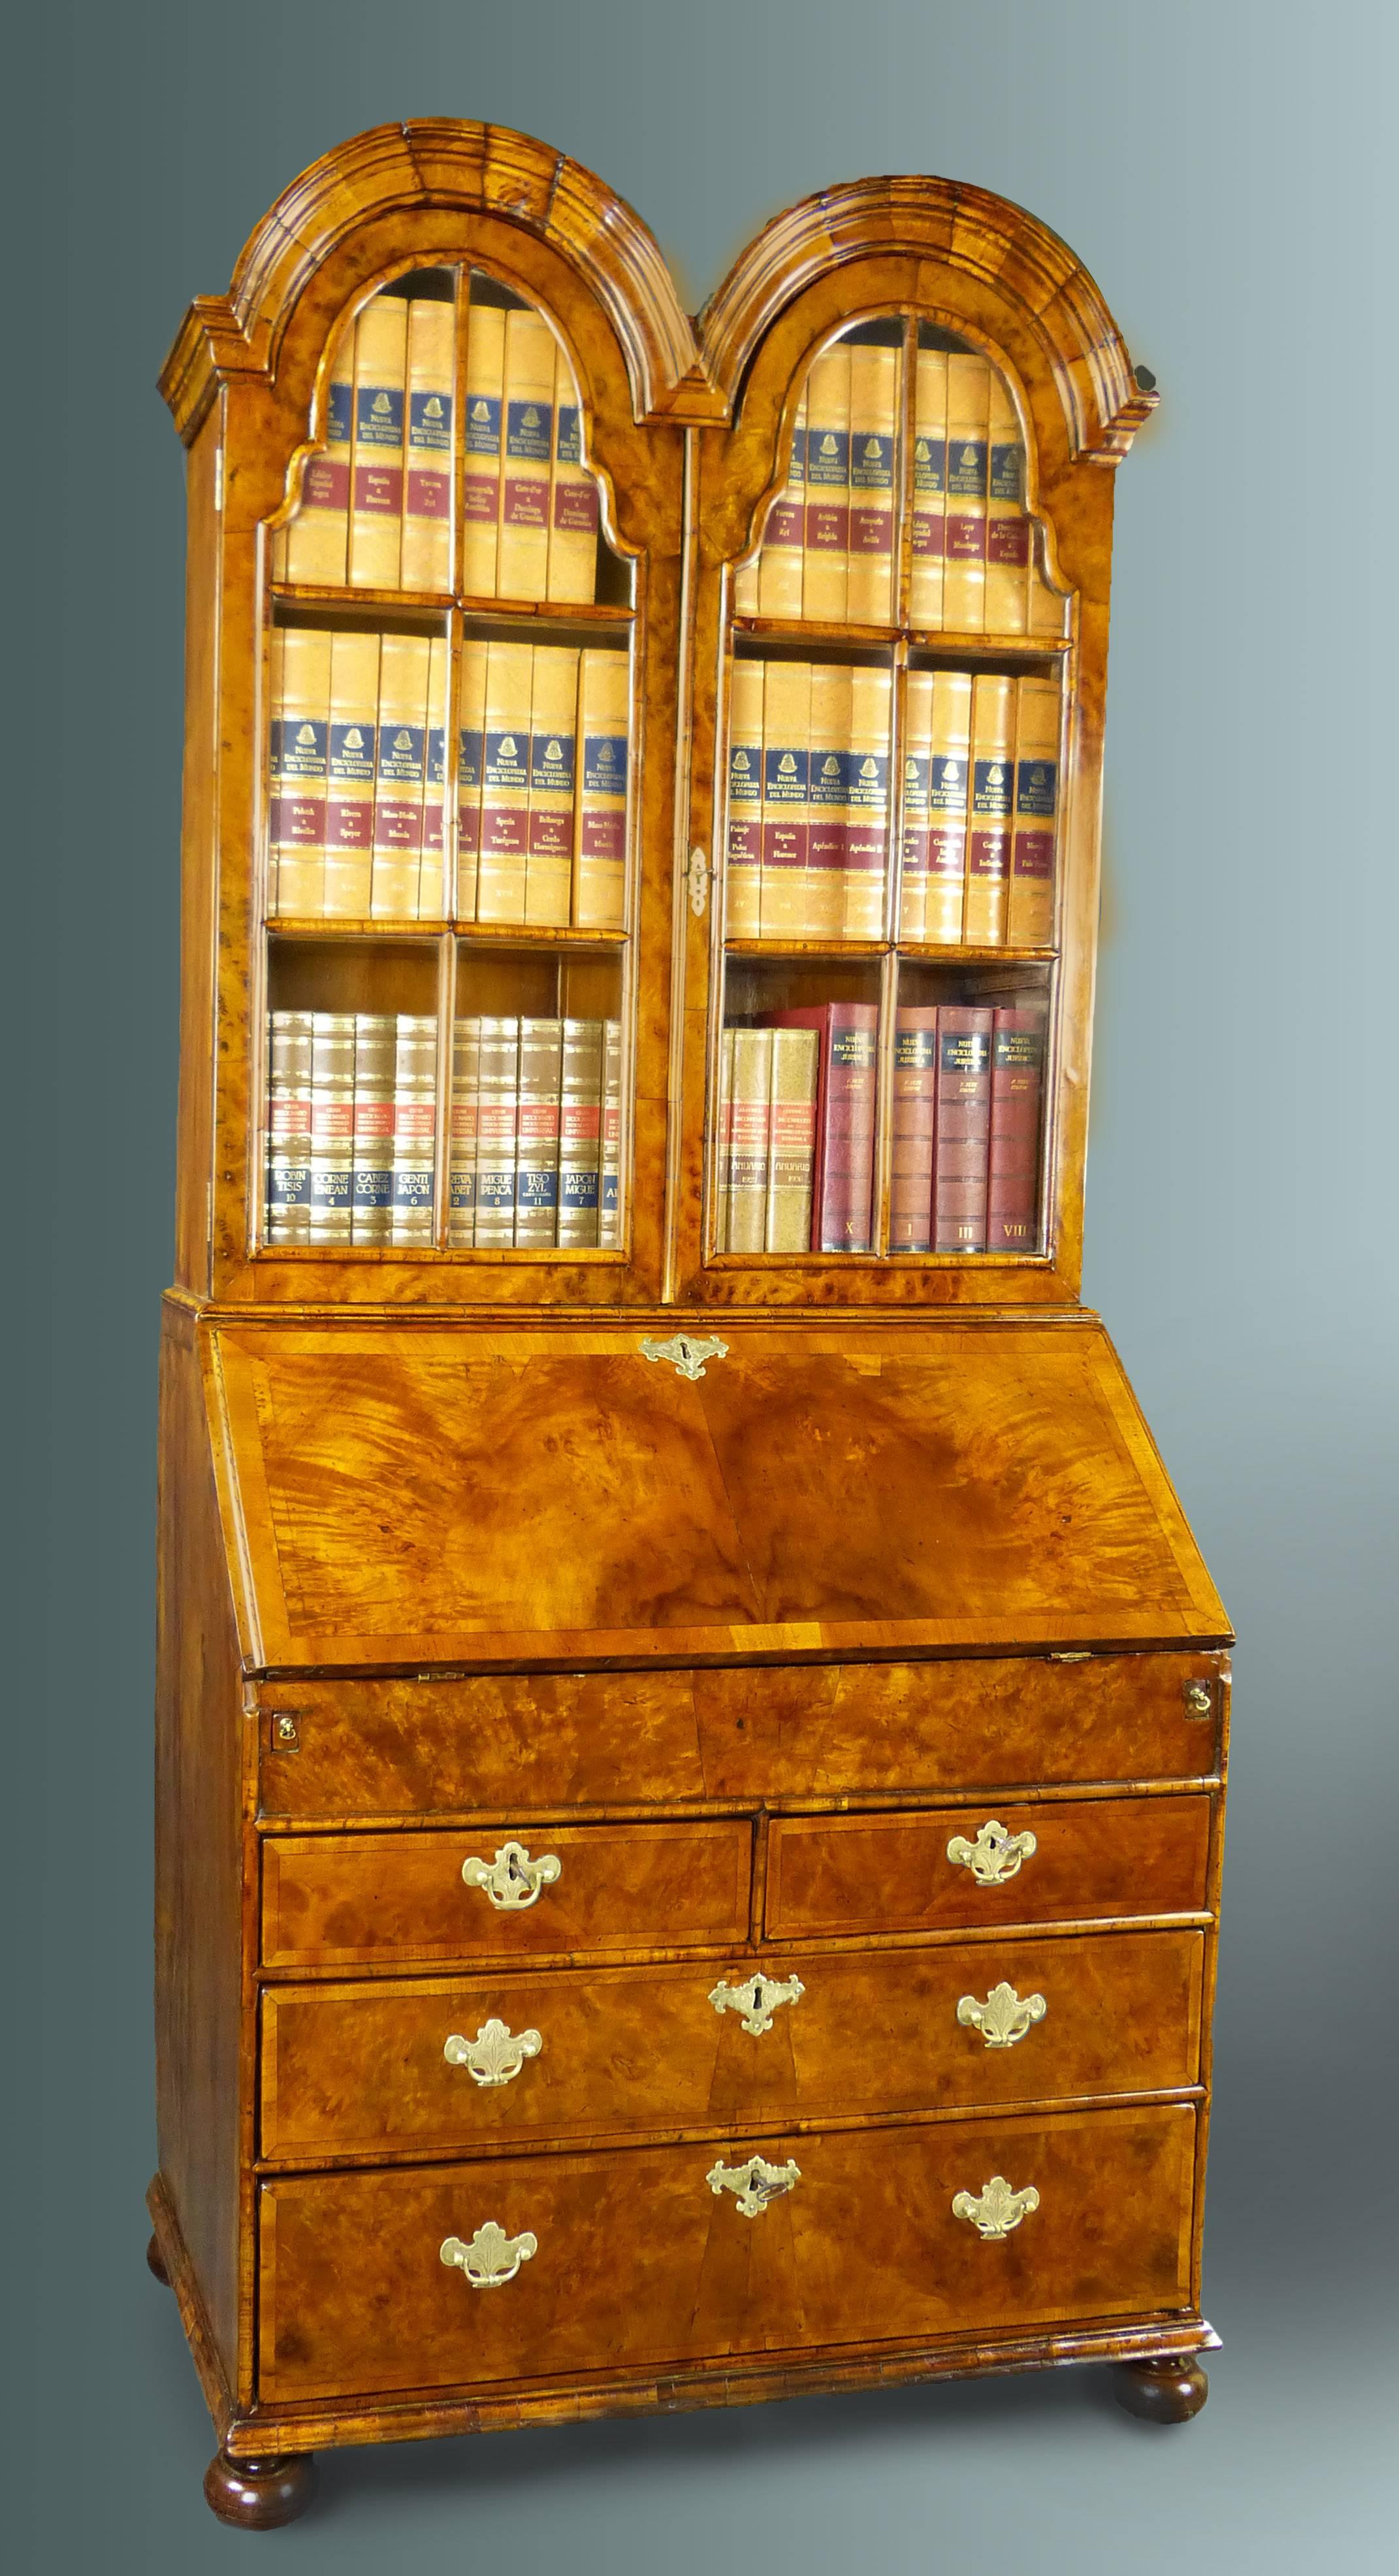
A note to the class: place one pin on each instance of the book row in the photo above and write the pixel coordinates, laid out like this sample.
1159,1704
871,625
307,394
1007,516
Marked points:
809,808
358,784
535,1130
830,542
797,1122
377,502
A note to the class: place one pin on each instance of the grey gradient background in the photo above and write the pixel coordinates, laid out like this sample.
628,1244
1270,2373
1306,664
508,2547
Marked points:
1229,174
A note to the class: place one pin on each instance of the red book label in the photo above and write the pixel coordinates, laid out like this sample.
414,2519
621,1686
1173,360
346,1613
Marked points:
928,532
1034,854
603,836
327,484
480,499
915,854
526,501
575,506
871,532
827,527
784,844
986,854
551,834
349,824
503,830
744,840
826,844
1008,541
429,494
784,527
379,490
469,828
966,540
398,827
298,822
947,852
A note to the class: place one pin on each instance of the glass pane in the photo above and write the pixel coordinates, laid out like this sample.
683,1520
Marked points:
967,1110
357,770
829,551
530,517
543,782
536,1141
808,815
351,1092
973,567
980,799
795,1139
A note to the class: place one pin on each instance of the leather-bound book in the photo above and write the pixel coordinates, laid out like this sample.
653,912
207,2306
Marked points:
744,828
968,427
289,1039
522,553
498,1082
867,809
1017,1100
580,1134
779,566
461,1156
824,569
376,495
552,765
949,792
1007,528
471,732
431,873
537,1134
600,810
988,831
963,1128
915,1129
481,445
332,1124
928,532
371,1178
354,753
791,1139
917,757
874,411
400,778
500,876
299,689
609,1221
573,497
1030,910
749,1113
786,768
414,1125
426,556
313,546
843,1188
827,828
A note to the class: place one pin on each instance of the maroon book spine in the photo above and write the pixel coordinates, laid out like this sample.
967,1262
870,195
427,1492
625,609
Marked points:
915,1130
1017,1098
847,1179
963,1128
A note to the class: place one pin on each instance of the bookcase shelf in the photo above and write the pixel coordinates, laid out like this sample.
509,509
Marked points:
438,603
975,647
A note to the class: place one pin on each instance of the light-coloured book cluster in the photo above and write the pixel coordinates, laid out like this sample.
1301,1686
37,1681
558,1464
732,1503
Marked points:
535,1134
351,1127
529,504
767,1139
542,785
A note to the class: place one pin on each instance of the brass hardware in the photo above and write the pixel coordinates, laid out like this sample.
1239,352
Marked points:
285,1736
686,1352
1003,2019
698,876
493,2056
757,1998
1199,1699
755,2183
512,1880
996,2210
994,1857
1080,1655
491,2258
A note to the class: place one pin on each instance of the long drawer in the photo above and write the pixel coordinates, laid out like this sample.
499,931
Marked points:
644,2256
952,1868
466,2065
353,1900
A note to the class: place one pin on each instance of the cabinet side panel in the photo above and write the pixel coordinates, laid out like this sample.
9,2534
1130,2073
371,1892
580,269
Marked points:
198,1870
199,860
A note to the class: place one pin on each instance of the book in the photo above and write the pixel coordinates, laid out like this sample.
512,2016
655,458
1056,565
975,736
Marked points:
867,808
573,498
843,1179
549,847
874,399
289,1079
580,1134
376,491
498,1080
779,566
432,893
1017,1093
354,752
504,831
723,1140
745,587
917,761
963,1128
461,1150
332,1124
915,1082
749,1088
827,829
481,441
949,791
786,764
791,1143
537,1134
964,559
609,1222
400,776
471,727
315,541
414,1125
988,830
1007,527
1030,906
522,546
743,838
299,690
372,1166
426,548
600,813
826,561
929,515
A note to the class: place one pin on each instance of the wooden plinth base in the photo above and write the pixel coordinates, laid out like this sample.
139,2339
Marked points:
1161,2392
259,2495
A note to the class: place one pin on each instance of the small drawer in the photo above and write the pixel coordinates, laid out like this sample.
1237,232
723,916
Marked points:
951,1868
645,2256
353,1900
452,2066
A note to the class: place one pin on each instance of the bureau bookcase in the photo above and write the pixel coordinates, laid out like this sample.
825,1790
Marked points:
691,1723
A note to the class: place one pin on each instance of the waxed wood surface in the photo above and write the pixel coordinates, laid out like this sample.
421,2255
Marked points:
638,2261
353,1899
359,2070
420,1494
1105,1856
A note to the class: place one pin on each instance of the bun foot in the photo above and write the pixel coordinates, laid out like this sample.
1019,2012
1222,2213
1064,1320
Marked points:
156,2260
1169,2391
259,2495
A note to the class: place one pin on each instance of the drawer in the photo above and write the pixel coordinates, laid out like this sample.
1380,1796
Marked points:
351,1900
1091,1856
363,2070
633,2259
536,1742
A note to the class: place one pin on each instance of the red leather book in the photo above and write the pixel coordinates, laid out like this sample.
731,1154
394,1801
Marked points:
915,1130
963,1128
1017,1096
843,1192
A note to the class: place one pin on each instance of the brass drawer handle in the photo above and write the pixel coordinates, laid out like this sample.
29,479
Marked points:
1004,2018
996,2210
512,1880
755,2183
491,2258
995,1855
494,2056
1199,1699
757,1998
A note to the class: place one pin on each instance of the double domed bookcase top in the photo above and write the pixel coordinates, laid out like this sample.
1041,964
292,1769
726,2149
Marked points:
691,1722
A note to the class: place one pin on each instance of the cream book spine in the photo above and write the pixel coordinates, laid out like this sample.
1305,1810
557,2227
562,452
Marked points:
313,546
289,1127
779,566
723,1141
552,783
426,560
1007,528
471,729
874,412
537,1148
497,1109
1030,908
481,444
332,1124
414,1125
827,830
573,497
432,896
600,812
354,745
917,763
929,529
968,425
522,553
376,500
782,896
867,809
400,777
826,560
743,835
461,1150
299,689
748,1152
988,830
371,1183
791,1140
500,879
949,794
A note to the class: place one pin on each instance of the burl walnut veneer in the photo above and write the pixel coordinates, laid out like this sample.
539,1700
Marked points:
690,1785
